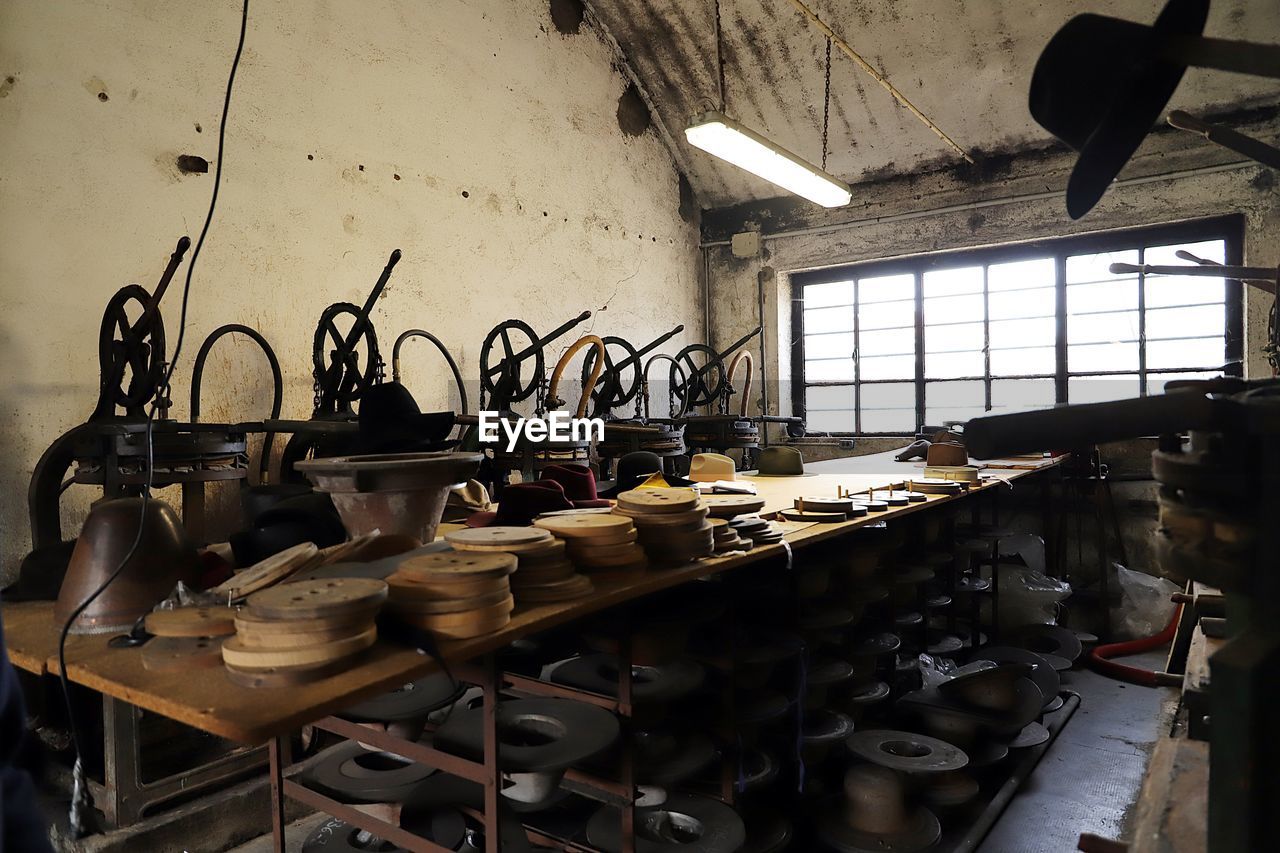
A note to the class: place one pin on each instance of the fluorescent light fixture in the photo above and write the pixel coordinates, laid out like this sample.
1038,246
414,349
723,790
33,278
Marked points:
717,134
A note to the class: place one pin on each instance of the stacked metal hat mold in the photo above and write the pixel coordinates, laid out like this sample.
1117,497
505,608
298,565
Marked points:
538,740
683,822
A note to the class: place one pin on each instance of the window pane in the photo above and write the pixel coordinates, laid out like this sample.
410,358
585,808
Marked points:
1204,352
886,288
829,346
1023,362
833,421
888,367
1209,250
887,315
1012,395
889,408
966,336
1107,296
1020,275
1163,290
1103,328
1186,322
1101,389
953,401
952,282
1040,302
832,370
954,309
898,342
1099,358
1082,268
828,398
835,293
1022,333
1156,381
953,365
829,320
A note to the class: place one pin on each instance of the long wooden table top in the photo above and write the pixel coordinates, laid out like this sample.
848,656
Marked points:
208,700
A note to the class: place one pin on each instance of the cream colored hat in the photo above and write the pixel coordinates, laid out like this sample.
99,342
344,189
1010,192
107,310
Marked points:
709,467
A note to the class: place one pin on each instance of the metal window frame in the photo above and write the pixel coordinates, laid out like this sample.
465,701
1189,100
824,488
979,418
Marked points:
1229,229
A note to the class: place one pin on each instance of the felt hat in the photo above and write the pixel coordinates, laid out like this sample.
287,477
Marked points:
309,517
578,482
709,467
391,422
1101,83
521,503
780,462
633,470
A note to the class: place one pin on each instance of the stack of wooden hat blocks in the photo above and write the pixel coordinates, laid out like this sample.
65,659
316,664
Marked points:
596,541
672,524
540,571
454,594
294,633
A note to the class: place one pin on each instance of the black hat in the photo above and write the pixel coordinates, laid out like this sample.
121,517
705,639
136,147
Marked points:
633,469
391,422
1101,83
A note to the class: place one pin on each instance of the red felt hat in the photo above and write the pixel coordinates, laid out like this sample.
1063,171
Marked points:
578,482
520,503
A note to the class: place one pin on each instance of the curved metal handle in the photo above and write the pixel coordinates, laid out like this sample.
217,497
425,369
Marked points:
644,382
277,382
746,386
563,364
444,351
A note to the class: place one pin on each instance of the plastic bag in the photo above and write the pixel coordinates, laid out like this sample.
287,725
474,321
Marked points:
1145,608
1028,597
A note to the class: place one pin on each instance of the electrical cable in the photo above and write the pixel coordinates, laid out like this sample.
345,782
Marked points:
80,798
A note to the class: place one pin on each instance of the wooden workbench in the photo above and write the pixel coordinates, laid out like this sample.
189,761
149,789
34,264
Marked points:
207,700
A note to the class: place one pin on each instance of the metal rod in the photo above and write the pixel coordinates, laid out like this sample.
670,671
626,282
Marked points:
1263,278
1242,57
492,766
879,78
402,838
539,344
1267,155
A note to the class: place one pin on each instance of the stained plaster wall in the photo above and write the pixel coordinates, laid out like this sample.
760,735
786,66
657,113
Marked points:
471,134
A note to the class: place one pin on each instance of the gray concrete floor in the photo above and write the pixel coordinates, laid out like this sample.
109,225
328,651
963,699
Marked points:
1088,781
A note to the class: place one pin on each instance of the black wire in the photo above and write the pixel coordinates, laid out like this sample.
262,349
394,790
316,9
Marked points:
76,824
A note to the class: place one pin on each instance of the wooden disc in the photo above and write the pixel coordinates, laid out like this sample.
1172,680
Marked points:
728,506
658,500
192,622
550,552
266,572
543,574
251,639
572,587
403,604
272,676
588,551
417,588
473,629
632,554
813,515
344,550
347,622
180,654
236,653
668,519
622,538
823,504
511,539
442,567
463,618
586,526
318,598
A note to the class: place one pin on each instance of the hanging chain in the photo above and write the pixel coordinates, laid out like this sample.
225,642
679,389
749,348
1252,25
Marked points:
826,108
719,58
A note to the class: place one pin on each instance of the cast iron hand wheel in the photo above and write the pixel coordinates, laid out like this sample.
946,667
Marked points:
340,377
502,371
134,347
618,384
704,381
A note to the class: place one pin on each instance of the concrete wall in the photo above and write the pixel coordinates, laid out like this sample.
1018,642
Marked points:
1014,198
472,134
